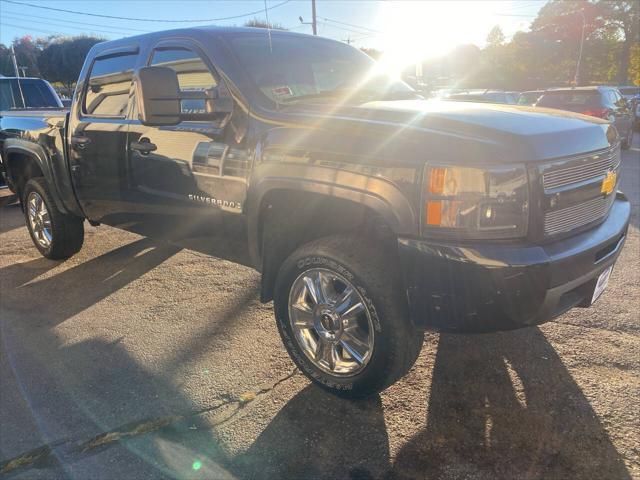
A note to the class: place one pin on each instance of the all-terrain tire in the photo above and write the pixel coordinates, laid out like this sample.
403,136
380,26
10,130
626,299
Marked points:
67,231
375,274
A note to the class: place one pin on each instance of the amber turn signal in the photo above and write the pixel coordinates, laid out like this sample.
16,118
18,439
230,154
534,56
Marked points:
434,212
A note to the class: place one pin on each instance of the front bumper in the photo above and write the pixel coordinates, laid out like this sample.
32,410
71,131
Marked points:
490,287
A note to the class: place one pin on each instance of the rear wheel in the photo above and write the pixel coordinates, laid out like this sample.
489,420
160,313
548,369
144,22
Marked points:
343,318
56,235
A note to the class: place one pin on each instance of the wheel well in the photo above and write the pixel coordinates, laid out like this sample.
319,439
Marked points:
21,168
289,219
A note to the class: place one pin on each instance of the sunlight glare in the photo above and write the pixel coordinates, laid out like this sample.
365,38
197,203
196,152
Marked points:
415,31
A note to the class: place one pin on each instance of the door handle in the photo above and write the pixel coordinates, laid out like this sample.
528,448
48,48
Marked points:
143,147
80,142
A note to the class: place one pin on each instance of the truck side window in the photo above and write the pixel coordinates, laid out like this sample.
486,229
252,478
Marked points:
7,99
193,75
109,82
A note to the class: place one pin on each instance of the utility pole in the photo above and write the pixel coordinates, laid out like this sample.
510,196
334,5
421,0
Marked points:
15,62
314,24
578,79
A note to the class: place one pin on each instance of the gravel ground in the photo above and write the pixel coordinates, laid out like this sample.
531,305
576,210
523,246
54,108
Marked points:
138,360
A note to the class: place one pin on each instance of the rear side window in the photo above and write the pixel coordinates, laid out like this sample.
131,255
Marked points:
109,84
566,100
7,100
193,75
37,94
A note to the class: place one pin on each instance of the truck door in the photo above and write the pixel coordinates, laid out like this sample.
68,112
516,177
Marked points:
191,177
98,136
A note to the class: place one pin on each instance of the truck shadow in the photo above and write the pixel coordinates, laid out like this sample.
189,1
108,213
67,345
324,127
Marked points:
506,406
82,285
90,407
500,406
10,217
317,435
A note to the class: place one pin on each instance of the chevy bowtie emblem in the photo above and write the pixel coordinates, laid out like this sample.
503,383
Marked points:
608,183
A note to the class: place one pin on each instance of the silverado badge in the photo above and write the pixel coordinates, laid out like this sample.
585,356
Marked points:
608,183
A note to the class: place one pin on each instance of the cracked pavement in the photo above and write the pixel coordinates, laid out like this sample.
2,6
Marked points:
144,360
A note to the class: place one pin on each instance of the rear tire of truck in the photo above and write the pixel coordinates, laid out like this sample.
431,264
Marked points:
56,235
343,318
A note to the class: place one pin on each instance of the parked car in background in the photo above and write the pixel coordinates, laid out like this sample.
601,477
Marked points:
447,92
530,97
25,93
487,96
632,94
602,102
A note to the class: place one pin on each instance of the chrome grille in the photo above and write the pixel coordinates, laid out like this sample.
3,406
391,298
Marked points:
575,216
580,169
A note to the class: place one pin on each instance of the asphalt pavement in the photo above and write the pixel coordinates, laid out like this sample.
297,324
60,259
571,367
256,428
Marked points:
140,360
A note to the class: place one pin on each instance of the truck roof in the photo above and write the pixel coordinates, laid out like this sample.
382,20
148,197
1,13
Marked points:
203,30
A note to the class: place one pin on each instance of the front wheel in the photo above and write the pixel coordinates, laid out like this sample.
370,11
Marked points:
56,235
343,318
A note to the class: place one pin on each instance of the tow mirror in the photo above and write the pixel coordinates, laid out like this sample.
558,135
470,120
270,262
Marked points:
157,96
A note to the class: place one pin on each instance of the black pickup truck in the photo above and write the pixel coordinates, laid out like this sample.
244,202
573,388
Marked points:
371,213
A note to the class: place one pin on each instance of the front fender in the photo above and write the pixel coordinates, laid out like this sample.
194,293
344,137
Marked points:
376,194
38,155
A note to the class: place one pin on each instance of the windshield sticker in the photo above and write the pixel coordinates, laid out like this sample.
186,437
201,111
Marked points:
281,91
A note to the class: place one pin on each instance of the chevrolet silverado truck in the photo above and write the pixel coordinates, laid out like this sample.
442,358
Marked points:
372,214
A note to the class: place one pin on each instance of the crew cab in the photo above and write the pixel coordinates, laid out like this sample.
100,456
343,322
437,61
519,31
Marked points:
371,213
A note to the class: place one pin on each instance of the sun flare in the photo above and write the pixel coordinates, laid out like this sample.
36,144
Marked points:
415,31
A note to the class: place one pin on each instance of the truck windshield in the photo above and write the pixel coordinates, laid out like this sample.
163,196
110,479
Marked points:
299,69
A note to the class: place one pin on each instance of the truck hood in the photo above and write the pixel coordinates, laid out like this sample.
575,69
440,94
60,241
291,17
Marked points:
479,132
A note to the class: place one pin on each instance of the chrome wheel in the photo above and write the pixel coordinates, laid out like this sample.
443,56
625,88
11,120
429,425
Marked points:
331,322
39,220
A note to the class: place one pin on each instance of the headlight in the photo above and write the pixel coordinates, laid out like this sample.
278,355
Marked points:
473,203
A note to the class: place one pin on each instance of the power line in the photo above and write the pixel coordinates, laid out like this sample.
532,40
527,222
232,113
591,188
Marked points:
14,17
29,28
77,23
200,20
367,34
367,29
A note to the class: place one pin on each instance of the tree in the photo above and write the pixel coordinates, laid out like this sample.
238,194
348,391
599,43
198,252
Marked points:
62,60
623,18
495,37
27,52
6,65
257,23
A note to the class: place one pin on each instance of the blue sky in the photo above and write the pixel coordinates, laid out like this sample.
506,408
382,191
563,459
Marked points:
435,26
